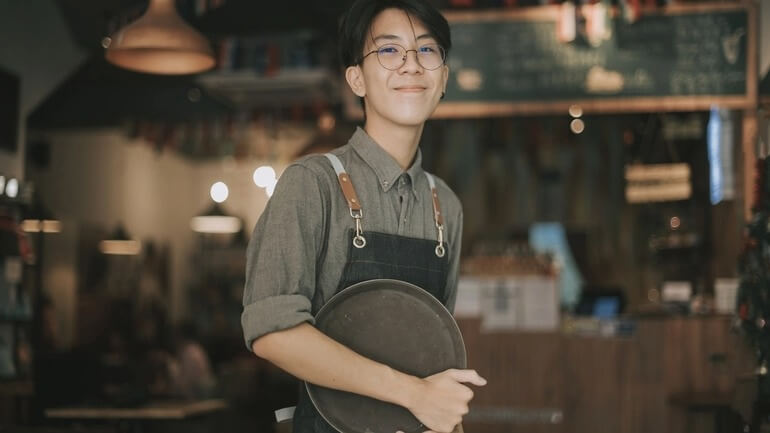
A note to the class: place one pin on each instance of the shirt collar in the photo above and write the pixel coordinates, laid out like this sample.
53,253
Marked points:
384,166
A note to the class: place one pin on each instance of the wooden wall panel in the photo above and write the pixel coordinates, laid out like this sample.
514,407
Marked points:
524,373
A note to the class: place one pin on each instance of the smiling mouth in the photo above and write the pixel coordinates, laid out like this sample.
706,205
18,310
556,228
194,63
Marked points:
411,89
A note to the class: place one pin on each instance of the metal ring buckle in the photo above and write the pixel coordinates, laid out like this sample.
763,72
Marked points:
440,250
358,241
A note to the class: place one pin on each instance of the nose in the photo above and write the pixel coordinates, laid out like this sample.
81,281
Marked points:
411,64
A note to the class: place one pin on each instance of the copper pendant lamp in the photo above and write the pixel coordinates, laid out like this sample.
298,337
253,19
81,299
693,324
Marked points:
160,42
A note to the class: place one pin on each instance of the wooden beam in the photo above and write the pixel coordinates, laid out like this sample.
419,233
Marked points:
590,106
749,128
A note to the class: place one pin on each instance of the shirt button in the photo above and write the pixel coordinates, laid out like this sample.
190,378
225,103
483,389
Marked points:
385,183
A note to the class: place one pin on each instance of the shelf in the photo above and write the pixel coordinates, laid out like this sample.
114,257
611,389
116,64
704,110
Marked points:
248,89
161,410
674,241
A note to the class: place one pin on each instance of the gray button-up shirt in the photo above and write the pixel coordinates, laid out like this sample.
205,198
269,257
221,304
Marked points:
299,247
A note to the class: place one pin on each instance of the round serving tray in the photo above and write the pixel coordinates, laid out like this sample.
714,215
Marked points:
395,323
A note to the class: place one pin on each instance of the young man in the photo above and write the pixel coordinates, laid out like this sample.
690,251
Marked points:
310,243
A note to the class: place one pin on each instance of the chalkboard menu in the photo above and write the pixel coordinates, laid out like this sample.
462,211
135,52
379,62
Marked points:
691,57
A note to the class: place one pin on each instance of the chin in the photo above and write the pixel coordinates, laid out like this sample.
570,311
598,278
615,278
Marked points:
409,120
409,112
411,115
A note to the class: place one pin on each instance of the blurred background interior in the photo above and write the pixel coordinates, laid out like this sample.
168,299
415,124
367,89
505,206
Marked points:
609,155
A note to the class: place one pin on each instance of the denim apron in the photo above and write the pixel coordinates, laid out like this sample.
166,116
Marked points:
372,255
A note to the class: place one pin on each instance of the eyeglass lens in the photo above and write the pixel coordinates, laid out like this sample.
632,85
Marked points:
393,56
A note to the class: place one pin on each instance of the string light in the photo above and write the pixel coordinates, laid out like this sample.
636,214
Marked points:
219,192
264,177
577,126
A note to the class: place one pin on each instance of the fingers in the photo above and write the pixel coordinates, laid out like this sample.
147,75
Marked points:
467,376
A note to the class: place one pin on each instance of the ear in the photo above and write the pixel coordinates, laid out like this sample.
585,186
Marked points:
355,78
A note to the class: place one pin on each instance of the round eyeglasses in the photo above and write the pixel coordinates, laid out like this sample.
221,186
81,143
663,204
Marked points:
393,56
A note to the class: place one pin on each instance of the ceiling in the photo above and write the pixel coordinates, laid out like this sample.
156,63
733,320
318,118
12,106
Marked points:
90,20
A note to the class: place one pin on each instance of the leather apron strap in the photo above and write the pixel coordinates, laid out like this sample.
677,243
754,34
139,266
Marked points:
357,212
359,241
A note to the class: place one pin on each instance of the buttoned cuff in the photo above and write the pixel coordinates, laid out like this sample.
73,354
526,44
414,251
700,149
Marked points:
275,313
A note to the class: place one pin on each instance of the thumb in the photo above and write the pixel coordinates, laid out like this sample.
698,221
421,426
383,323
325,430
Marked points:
468,376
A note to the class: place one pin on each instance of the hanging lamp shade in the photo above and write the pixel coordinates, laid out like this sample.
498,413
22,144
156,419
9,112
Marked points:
38,218
216,220
160,42
120,243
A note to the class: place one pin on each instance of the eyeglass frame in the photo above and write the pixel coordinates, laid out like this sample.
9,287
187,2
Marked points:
406,54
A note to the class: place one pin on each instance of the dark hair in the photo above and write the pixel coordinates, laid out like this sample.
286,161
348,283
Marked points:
356,22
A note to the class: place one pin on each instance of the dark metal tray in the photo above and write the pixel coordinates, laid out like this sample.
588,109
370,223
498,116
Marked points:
397,324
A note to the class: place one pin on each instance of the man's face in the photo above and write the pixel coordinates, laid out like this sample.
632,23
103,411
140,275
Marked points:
408,95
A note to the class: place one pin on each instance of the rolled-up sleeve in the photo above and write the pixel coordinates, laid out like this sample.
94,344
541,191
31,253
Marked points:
281,256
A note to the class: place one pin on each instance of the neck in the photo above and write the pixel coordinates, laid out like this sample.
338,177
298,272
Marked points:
398,141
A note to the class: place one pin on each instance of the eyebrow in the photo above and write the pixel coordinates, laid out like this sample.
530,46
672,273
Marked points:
390,37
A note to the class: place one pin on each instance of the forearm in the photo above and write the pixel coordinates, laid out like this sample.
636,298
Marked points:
310,355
